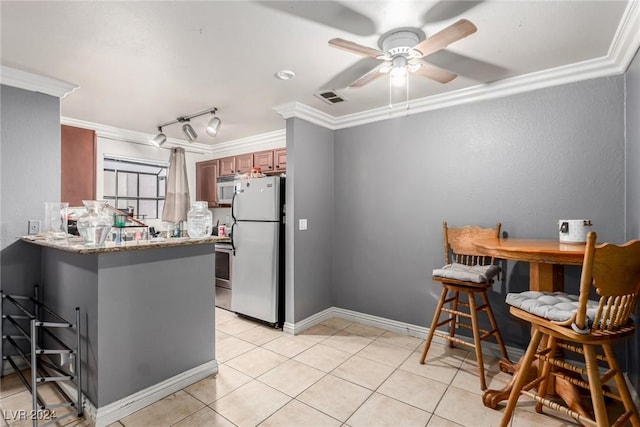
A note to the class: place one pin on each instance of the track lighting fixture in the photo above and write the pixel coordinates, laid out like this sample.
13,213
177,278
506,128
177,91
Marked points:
189,132
214,124
159,139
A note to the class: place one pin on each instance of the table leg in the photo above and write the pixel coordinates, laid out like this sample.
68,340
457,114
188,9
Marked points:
544,278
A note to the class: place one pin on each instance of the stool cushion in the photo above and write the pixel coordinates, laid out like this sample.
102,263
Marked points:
556,306
466,273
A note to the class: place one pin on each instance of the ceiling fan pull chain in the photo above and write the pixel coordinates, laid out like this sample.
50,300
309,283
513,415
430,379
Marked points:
390,95
406,94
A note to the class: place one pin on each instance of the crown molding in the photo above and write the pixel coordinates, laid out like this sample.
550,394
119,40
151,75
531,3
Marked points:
265,141
621,52
310,114
117,134
35,82
627,38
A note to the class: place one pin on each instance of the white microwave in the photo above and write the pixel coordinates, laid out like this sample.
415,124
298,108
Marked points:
226,188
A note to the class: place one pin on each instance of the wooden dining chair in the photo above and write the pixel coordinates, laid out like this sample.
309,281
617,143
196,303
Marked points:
576,324
466,272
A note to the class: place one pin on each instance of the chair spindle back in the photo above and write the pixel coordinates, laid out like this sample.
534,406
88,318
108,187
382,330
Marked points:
614,272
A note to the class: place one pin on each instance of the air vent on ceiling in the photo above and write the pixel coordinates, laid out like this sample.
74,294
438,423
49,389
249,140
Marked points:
330,96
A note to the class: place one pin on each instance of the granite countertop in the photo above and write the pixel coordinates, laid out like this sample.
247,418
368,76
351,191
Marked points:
76,245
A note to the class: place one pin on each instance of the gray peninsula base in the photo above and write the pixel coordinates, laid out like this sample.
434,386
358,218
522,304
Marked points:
147,315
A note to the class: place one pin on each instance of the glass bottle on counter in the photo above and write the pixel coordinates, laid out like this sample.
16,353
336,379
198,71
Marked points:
199,220
95,224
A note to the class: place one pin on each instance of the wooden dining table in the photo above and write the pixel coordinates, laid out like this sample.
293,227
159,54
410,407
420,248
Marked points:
546,259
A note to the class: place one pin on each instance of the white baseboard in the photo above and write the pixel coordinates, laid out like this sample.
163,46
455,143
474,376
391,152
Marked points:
105,415
489,347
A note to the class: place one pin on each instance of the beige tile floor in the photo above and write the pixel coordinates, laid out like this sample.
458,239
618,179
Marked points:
337,373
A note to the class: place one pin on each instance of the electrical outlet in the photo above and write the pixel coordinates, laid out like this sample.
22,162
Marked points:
302,224
33,226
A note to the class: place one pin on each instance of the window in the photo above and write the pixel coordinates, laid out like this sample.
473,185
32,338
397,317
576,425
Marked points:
135,183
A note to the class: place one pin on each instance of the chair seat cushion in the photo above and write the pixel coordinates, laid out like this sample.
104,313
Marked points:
466,273
556,306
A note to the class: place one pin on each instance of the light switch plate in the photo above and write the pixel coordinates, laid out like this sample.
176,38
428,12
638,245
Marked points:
302,224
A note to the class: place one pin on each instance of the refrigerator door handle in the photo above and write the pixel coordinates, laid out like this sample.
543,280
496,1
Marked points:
233,204
233,246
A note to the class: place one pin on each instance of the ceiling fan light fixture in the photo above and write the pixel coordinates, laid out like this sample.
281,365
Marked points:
399,71
159,139
213,126
189,132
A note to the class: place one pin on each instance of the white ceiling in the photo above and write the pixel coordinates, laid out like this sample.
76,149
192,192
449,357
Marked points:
140,64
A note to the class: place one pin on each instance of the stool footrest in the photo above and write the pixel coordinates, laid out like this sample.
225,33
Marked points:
456,312
556,407
453,339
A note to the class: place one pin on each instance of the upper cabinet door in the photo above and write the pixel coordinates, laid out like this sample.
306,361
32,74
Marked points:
244,163
206,182
227,166
263,160
280,159
78,165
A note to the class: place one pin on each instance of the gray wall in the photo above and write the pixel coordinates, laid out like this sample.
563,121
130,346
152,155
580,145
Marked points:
29,176
633,189
310,186
147,315
526,160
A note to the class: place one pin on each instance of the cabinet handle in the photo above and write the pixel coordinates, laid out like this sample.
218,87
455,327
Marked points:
270,167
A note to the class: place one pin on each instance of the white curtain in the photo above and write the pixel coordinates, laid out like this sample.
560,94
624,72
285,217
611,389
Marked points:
176,202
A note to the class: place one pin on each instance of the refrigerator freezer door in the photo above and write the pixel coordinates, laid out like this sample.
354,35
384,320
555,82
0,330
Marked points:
255,270
257,199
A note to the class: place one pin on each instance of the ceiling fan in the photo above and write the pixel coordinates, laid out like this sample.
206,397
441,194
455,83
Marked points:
403,51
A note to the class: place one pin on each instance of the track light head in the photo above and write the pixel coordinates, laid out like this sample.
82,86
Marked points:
214,125
189,132
159,139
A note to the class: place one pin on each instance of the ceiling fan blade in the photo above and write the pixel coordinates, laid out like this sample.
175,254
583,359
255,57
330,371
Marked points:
355,48
447,9
444,38
333,14
435,73
345,77
368,78
475,69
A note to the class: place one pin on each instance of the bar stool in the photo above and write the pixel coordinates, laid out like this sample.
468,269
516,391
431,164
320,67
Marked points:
466,273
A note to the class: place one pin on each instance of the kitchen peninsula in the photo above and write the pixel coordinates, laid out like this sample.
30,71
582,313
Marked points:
147,314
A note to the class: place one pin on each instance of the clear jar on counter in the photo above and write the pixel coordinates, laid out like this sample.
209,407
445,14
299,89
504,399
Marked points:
94,226
199,220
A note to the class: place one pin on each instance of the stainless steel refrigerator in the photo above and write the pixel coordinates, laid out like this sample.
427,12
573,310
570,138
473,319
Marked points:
257,237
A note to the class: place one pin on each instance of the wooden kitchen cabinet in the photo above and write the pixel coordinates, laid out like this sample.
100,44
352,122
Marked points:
263,160
206,182
233,165
244,163
227,166
78,165
271,160
268,161
280,159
